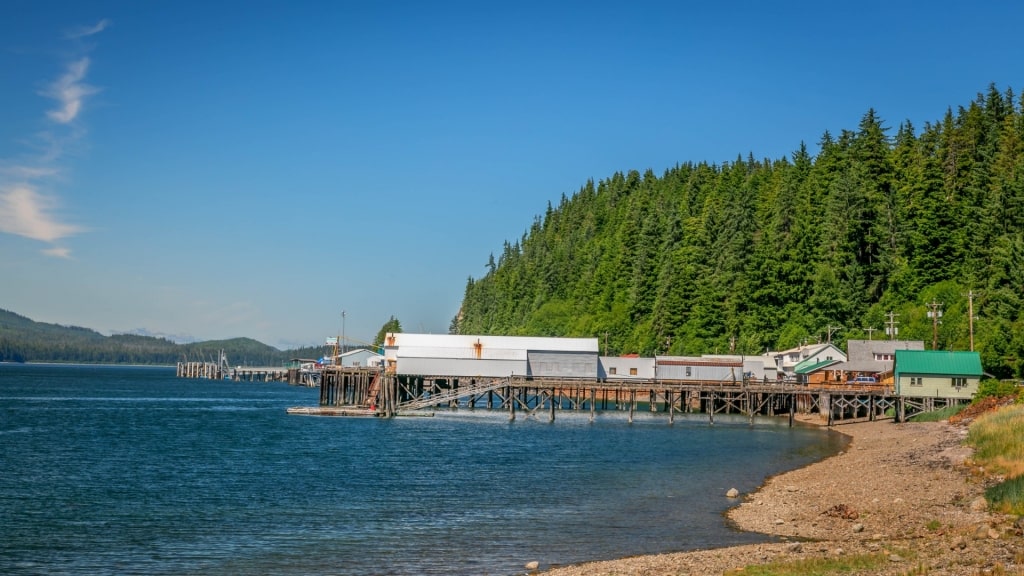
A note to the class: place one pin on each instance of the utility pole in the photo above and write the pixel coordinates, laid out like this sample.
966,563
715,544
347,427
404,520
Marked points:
606,343
869,330
935,314
344,342
890,325
830,330
970,316
732,344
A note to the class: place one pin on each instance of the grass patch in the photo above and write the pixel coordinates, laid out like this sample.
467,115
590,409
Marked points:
855,563
998,439
938,415
1008,496
933,525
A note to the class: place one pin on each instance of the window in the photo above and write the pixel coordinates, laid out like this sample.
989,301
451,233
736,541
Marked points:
613,370
916,381
632,371
959,382
688,371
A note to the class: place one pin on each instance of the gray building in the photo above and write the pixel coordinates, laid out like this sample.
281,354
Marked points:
699,369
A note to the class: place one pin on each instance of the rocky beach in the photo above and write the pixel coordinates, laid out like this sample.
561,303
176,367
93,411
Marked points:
904,493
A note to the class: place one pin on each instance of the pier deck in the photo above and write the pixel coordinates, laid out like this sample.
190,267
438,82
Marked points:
387,395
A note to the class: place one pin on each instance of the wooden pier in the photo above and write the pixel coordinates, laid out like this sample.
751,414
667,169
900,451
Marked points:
357,391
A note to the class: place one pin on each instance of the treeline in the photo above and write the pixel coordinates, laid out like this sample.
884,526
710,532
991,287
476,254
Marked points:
758,254
23,340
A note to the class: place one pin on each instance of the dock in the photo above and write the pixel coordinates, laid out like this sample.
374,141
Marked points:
353,391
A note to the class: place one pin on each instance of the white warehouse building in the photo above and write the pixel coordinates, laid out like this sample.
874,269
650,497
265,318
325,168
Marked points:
453,355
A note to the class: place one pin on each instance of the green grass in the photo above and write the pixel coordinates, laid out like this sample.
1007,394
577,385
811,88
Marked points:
998,439
938,415
854,563
1008,496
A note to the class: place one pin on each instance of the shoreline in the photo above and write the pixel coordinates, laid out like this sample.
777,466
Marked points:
901,490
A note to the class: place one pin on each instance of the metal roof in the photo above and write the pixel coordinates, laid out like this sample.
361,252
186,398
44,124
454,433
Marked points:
939,362
806,367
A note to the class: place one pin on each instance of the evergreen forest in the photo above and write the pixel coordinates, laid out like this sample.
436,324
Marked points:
870,233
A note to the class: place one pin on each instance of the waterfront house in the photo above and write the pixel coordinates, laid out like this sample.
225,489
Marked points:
873,358
787,360
937,373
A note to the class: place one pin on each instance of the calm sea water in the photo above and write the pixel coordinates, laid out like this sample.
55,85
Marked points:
116,470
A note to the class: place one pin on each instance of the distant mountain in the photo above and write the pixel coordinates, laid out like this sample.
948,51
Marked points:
25,340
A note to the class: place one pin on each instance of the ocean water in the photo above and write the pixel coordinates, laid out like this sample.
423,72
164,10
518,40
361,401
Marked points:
125,470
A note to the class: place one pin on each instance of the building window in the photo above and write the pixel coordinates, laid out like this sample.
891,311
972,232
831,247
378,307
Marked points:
916,381
613,370
959,382
687,371
632,371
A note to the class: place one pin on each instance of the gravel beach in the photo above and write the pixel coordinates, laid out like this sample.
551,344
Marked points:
905,491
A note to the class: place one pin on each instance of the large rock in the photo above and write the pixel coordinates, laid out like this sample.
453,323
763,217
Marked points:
532,565
732,493
979,504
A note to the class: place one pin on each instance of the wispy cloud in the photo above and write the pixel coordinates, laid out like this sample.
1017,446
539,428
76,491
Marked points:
24,209
25,212
83,31
69,91
58,252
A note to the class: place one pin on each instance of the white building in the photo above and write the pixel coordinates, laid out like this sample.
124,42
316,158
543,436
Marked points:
630,367
450,355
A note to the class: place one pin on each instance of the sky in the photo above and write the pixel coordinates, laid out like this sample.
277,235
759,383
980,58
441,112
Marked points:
289,171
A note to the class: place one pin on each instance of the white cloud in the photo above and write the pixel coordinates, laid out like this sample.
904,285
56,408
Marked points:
58,252
83,31
69,91
25,212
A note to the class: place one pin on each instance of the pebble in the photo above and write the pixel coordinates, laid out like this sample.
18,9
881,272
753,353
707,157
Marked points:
858,528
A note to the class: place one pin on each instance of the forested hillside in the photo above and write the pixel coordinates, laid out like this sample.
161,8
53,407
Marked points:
770,253
24,340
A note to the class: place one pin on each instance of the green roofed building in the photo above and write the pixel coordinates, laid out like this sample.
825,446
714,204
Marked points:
937,373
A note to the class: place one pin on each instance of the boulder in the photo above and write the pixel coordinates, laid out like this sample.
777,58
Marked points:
732,493
532,565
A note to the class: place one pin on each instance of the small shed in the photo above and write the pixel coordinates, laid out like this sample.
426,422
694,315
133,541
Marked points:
360,358
937,373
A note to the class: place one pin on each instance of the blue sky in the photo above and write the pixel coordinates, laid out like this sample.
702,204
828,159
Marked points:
209,170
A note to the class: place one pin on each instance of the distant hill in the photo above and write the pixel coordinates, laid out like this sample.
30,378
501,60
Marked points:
25,340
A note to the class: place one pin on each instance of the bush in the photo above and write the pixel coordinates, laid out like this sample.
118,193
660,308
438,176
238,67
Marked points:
998,388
